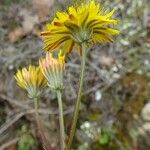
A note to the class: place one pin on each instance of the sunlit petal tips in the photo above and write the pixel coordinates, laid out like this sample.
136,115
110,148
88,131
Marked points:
31,79
53,70
85,23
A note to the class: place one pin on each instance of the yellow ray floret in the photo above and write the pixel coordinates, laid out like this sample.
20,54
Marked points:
86,23
30,77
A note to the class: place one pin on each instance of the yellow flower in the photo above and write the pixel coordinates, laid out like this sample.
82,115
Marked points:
53,70
86,23
31,79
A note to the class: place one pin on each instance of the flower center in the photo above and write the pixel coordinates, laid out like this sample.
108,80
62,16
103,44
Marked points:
79,34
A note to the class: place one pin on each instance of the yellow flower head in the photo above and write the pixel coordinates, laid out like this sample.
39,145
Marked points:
86,23
53,70
31,79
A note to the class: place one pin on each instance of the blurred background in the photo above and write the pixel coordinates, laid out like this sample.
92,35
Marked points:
115,110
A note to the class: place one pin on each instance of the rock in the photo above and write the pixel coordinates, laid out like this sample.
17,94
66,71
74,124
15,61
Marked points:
146,112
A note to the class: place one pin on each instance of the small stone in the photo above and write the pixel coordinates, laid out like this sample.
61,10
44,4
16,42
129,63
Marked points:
98,95
146,112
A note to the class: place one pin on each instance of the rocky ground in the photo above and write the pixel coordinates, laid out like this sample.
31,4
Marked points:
115,105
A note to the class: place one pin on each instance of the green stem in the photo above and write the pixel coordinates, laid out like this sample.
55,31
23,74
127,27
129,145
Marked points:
46,144
61,120
78,102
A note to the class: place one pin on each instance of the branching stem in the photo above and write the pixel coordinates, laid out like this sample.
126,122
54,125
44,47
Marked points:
46,144
61,120
78,102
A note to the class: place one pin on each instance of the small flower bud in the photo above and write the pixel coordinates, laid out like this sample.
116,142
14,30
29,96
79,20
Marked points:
31,79
53,70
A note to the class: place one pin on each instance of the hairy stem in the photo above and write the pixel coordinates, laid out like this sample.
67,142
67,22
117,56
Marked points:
61,121
46,144
78,102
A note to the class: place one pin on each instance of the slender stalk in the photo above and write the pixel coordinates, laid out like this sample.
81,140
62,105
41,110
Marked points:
78,102
46,144
61,120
